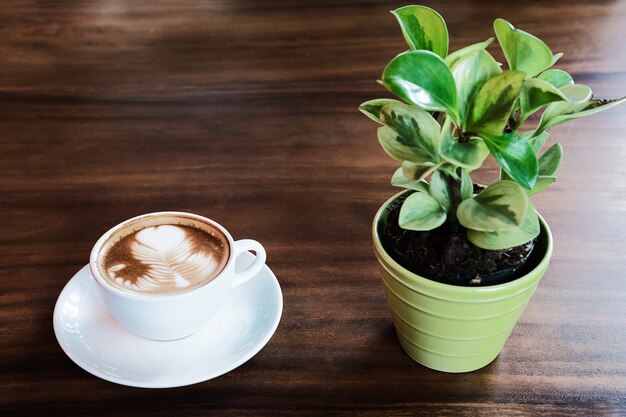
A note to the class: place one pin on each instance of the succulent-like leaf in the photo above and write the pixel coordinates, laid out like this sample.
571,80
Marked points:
469,155
542,183
372,108
418,172
423,28
576,93
555,58
409,134
550,161
557,115
505,239
515,156
535,140
470,73
492,105
501,206
454,57
556,77
537,93
423,79
440,189
467,185
523,51
421,212
399,180
549,164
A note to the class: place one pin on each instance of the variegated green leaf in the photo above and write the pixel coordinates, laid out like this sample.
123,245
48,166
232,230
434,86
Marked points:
555,58
550,161
372,108
423,28
549,164
470,73
515,156
505,239
421,212
557,116
467,185
576,93
469,155
409,134
537,93
535,140
542,183
578,97
423,79
523,51
441,189
556,77
501,206
418,172
399,180
492,105
454,57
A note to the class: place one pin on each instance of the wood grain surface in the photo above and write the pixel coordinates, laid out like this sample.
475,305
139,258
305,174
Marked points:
246,112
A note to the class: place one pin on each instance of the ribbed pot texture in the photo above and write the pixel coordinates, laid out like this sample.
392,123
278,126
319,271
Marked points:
453,328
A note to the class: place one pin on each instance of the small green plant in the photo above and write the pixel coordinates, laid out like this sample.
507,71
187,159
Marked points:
457,109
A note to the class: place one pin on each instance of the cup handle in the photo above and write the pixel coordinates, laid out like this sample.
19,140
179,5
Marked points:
242,246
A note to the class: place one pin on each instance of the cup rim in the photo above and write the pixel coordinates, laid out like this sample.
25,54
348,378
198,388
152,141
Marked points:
105,285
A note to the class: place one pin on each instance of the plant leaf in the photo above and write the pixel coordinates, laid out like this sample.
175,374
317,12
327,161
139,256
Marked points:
501,206
470,73
556,77
523,51
557,115
421,212
542,183
515,156
418,172
550,161
423,79
409,134
423,28
469,155
399,180
441,190
537,93
527,231
555,58
576,93
492,105
452,59
372,108
549,164
467,185
535,140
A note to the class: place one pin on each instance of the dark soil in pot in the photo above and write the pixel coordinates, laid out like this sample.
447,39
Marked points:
445,255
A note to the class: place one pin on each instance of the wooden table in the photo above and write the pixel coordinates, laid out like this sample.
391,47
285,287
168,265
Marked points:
245,111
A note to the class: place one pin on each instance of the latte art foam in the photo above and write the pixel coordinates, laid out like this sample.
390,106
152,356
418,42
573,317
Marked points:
165,258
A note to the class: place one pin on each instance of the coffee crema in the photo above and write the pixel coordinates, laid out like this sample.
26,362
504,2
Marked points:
163,258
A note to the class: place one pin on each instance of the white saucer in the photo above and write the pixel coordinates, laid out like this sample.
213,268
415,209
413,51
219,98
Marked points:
93,339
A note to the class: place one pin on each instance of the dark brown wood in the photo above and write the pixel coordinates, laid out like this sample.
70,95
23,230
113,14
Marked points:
245,111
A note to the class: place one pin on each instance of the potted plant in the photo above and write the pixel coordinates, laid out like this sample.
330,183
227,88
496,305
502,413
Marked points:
460,261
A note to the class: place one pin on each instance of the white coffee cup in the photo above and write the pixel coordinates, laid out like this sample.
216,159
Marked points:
176,315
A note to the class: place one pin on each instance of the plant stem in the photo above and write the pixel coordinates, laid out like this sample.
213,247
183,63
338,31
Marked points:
455,200
518,123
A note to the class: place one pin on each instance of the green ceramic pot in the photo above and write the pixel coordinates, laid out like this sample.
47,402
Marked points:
453,328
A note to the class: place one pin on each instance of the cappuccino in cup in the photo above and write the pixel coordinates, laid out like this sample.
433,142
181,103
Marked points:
165,275
163,255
